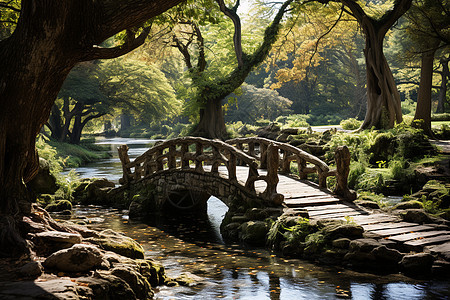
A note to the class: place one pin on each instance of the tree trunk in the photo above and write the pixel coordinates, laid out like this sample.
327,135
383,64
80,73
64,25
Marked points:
75,135
56,124
444,81
31,72
212,123
383,98
50,38
423,108
125,120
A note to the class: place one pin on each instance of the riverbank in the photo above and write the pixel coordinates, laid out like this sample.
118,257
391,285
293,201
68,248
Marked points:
69,261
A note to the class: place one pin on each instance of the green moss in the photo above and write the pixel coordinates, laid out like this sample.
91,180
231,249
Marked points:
120,244
60,205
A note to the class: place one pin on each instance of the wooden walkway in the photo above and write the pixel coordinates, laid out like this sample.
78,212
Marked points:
303,195
262,169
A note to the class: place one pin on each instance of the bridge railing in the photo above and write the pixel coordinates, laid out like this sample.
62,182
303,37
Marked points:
307,164
194,153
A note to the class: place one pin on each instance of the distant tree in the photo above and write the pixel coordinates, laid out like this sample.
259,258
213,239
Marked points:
254,103
210,87
139,89
428,27
81,101
317,63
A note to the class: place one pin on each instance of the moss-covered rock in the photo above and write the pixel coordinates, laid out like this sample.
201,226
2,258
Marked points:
409,205
254,232
59,206
118,243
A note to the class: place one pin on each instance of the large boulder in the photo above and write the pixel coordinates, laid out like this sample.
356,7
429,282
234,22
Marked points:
417,264
416,216
411,204
386,255
94,191
363,245
59,206
59,237
78,258
254,232
351,231
112,241
135,280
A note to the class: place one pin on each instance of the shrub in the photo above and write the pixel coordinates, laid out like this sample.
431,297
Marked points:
350,124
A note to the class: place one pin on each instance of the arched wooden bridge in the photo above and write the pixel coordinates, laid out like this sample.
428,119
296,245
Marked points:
262,170
250,168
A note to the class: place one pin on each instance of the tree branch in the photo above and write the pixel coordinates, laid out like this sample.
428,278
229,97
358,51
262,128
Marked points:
323,35
390,17
9,7
131,43
237,38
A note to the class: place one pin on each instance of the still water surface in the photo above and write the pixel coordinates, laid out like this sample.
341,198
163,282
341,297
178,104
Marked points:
193,244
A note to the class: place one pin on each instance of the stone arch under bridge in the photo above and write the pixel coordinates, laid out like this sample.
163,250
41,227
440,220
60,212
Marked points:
247,169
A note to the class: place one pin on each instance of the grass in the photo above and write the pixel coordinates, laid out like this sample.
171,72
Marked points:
438,124
78,155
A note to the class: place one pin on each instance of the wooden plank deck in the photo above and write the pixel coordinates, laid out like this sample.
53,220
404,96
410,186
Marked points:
302,196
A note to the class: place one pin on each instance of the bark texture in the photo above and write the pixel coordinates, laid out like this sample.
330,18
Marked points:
445,75
423,108
383,98
50,38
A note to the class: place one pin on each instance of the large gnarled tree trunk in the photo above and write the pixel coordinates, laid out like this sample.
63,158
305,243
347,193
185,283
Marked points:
383,99
50,38
212,123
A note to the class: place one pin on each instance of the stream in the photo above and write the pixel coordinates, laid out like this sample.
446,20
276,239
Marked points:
194,245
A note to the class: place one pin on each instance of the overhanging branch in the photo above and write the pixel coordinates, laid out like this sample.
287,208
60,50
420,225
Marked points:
131,43
237,38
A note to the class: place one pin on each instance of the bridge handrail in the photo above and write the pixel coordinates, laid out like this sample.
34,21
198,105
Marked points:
292,153
163,156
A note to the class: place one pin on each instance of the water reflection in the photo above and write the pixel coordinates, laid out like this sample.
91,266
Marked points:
233,272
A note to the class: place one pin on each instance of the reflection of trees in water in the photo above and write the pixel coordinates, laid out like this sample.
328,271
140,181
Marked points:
274,287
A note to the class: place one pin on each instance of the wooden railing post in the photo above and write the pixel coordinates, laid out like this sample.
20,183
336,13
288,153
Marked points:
232,162
171,157
198,153
184,161
159,161
125,160
285,163
273,161
342,158
301,166
263,155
